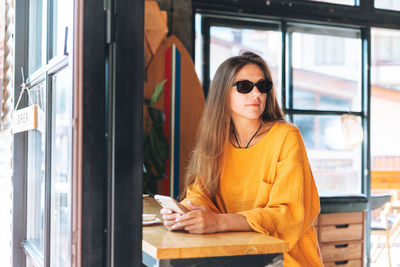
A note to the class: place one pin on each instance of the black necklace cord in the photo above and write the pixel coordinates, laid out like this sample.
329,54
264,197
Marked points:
247,145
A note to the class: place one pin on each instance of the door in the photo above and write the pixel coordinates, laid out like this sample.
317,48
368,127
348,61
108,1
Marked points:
44,62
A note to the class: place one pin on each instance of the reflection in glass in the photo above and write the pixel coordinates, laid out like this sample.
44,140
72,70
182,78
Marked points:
37,26
227,42
62,26
388,4
326,72
335,168
385,100
342,2
29,262
61,167
36,178
198,56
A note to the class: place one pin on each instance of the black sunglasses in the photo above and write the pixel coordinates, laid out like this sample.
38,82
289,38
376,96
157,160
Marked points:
245,87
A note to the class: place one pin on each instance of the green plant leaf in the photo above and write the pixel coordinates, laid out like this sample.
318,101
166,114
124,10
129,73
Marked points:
156,148
150,183
160,176
152,186
157,93
163,149
159,147
154,157
157,116
146,148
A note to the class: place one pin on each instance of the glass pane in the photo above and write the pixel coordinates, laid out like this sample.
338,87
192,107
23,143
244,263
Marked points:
36,177
336,170
198,57
342,2
6,189
61,170
388,4
37,31
326,72
227,42
385,100
29,262
62,11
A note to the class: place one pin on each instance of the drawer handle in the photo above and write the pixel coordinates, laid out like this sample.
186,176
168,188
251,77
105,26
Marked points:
341,262
342,246
341,225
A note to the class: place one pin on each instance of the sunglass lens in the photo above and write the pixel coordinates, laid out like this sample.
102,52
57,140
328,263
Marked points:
244,87
264,86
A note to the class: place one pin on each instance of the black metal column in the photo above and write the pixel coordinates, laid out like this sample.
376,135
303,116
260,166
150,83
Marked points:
127,109
94,196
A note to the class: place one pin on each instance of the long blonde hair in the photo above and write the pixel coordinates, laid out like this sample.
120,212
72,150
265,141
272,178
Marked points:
215,125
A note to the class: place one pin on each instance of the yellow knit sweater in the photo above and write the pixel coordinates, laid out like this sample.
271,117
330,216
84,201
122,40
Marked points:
272,185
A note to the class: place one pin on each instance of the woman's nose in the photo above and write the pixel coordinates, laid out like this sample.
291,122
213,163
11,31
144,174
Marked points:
255,91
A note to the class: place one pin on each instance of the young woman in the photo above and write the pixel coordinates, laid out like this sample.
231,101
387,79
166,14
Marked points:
249,170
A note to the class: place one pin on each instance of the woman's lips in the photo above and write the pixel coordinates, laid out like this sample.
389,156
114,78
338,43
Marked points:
254,105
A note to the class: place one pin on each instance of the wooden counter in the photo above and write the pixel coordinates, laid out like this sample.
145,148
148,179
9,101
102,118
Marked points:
160,244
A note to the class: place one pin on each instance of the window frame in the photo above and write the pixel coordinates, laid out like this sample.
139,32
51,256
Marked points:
287,27
20,152
102,173
45,75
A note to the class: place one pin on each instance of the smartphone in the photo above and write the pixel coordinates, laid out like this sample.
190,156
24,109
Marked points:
170,203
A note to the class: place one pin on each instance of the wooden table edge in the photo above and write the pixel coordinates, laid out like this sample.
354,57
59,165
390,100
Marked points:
180,253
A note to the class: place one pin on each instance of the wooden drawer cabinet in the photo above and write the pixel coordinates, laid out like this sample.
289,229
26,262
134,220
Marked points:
341,238
341,232
342,251
346,263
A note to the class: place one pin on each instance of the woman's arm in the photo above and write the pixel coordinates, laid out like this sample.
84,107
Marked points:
201,220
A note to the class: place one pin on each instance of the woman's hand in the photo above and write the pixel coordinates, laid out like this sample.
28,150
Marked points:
169,217
199,220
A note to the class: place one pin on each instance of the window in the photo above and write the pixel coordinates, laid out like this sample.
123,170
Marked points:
385,104
335,168
329,86
37,43
322,78
226,41
329,50
388,4
5,199
61,28
386,45
49,159
36,178
325,66
385,58
342,2
61,174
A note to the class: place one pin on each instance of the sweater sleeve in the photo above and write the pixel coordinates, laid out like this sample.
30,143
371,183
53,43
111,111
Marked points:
283,215
196,195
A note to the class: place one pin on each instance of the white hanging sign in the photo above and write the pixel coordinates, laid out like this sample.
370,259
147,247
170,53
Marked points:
28,118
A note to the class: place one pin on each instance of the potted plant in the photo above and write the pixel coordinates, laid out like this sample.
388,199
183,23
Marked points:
156,149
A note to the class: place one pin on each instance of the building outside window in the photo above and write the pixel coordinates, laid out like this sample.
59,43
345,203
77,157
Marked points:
326,71
328,50
387,4
385,100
